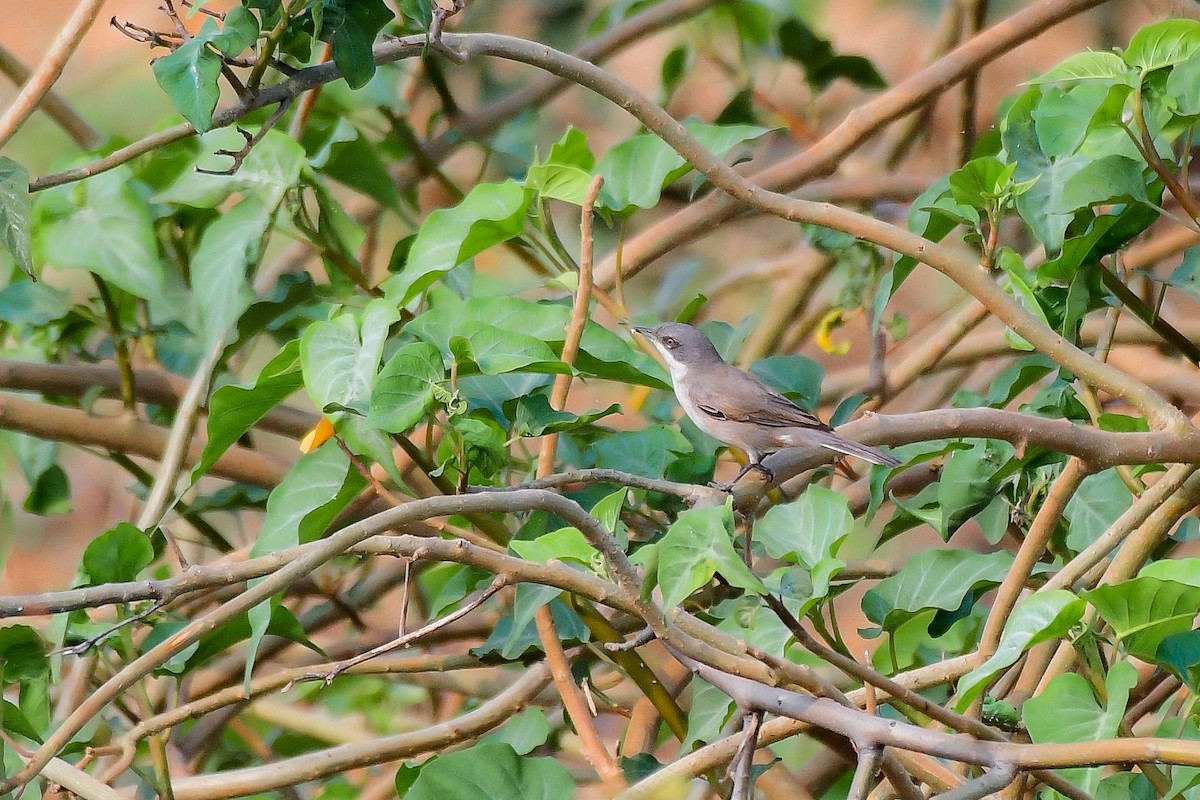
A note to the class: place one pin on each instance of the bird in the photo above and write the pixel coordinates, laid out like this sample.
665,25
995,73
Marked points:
736,408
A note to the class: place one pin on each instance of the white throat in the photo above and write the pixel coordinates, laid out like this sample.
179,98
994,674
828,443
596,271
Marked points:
676,369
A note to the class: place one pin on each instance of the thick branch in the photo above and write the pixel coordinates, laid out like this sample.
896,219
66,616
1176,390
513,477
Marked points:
130,436
151,386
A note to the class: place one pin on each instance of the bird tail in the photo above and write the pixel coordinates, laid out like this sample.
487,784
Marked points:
840,444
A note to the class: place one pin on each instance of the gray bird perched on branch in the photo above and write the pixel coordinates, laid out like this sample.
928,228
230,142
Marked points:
736,408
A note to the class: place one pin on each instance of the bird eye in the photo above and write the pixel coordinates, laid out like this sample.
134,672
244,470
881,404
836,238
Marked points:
669,341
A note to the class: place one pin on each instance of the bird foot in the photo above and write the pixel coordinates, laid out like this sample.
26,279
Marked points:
728,487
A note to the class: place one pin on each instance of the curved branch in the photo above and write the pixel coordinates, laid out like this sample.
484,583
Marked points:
975,280
537,92
320,553
47,72
863,727
706,215
310,766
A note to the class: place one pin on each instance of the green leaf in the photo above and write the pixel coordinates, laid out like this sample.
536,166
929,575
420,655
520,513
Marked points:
1163,44
189,76
351,26
33,303
1179,653
1180,570
310,496
516,637
300,508
673,69
1019,135
421,11
1183,84
220,284
798,377
697,546
1096,505
1062,119
233,410
404,390
491,771
808,531
636,170
1089,66
341,357
15,229
351,158
564,544
1145,610
116,556
495,351
968,481
12,720
24,664
821,64
527,330
979,182
709,711
1038,618
1100,182
272,167
566,173
491,213
939,579
49,492
109,232
239,31
645,452
1067,712
533,416
525,732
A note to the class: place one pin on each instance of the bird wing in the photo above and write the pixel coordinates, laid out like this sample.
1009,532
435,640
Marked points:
745,398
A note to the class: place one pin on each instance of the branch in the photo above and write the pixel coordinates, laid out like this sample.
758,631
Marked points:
322,551
179,441
691,493
58,109
47,72
537,92
1043,527
131,436
319,764
968,275
704,216
150,386
865,728
992,344
1171,485
1099,448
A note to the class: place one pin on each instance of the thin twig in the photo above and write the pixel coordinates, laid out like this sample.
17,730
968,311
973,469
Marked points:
182,430
252,139
404,640
743,761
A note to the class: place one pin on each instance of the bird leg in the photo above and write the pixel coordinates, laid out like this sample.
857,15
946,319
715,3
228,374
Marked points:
728,487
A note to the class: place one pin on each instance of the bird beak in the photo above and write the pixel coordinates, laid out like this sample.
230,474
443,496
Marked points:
643,331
